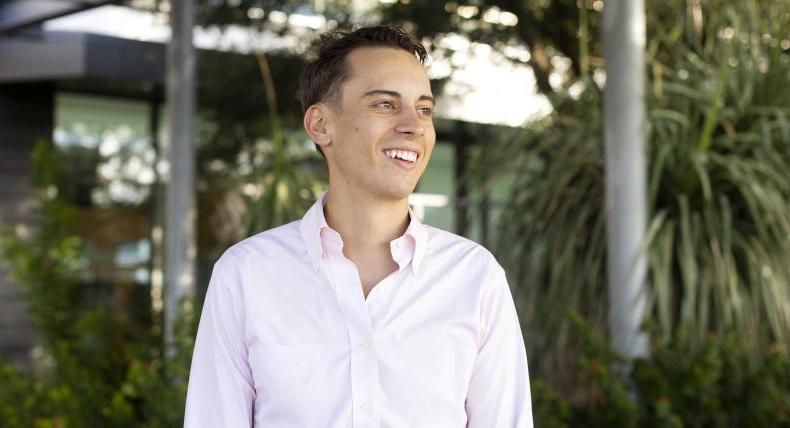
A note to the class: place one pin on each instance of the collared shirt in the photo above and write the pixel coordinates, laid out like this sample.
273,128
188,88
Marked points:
287,338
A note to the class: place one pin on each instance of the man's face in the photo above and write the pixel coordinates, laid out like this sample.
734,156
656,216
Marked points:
385,110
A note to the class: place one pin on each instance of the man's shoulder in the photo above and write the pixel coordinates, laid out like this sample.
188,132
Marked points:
445,244
279,240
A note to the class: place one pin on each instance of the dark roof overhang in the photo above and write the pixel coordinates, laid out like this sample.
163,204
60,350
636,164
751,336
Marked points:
19,14
57,56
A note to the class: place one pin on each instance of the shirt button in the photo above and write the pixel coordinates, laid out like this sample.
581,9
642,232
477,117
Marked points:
365,345
365,407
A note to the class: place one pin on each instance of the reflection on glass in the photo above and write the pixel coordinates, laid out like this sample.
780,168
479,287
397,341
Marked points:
107,170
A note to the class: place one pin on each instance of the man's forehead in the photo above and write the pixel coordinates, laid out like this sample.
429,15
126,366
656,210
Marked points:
378,68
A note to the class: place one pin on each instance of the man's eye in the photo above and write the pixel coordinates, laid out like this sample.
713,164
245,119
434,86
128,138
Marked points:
385,104
428,111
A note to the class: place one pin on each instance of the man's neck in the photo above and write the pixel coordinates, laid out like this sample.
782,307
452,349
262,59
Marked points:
365,222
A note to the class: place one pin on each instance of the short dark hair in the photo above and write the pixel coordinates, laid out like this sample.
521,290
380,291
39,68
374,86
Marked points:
323,76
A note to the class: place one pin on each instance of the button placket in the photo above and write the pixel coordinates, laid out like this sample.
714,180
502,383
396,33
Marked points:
364,371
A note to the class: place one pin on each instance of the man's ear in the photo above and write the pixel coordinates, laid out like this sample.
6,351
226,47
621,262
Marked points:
316,124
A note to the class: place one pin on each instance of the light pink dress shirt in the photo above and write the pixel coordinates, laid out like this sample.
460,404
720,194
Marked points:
287,339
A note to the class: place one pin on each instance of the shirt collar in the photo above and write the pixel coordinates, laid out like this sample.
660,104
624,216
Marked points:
419,234
314,222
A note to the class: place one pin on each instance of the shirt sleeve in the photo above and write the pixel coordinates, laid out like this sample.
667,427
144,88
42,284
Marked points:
499,394
221,391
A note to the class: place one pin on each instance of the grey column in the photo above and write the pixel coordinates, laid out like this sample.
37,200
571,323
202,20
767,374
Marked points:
626,200
180,217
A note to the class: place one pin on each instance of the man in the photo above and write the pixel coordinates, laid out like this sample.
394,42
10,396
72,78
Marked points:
358,315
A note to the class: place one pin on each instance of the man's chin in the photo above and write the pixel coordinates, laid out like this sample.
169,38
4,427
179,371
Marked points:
394,194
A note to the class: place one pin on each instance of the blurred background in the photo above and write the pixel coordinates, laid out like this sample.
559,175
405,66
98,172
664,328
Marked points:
524,151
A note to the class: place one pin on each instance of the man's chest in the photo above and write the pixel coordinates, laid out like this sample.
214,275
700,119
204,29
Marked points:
319,343
372,272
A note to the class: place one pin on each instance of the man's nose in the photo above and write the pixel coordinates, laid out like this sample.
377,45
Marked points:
409,123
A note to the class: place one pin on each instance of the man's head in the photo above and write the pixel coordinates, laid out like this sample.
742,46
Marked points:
366,94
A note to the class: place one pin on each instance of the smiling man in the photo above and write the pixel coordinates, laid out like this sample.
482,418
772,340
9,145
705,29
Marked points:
359,315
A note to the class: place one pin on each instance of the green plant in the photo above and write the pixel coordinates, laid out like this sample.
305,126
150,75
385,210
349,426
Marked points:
274,180
724,383
548,409
718,143
93,372
103,369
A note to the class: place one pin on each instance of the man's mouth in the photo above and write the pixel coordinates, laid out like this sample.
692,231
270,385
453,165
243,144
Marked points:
404,155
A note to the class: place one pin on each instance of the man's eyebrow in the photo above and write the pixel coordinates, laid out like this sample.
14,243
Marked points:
395,95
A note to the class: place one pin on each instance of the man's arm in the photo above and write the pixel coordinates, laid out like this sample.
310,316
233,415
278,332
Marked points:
499,393
221,391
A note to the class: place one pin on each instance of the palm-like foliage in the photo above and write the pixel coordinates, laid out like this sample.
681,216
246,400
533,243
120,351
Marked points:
273,182
719,194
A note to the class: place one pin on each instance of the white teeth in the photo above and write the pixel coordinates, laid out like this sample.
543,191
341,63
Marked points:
402,154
